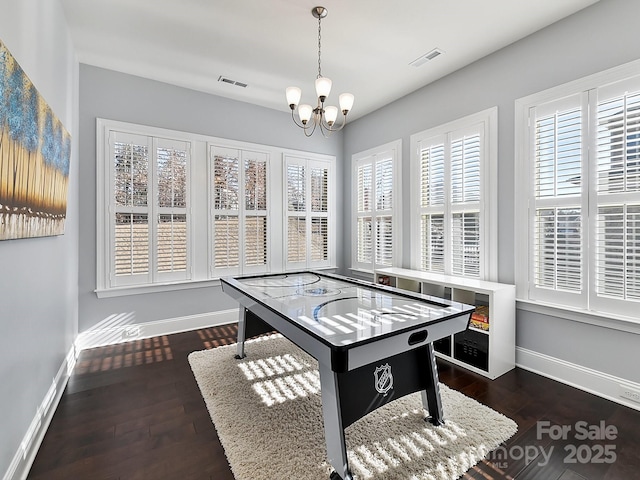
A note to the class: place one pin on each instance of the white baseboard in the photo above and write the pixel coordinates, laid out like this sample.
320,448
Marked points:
23,459
586,379
113,334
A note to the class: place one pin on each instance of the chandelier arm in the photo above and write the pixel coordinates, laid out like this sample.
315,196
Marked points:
344,122
334,127
323,129
315,124
293,117
324,125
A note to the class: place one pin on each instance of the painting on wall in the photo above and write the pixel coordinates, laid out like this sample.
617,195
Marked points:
35,149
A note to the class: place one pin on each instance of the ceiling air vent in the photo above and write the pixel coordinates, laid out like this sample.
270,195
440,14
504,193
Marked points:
231,82
436,52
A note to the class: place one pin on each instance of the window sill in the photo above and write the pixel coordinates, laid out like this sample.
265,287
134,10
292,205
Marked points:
173,286
616,322
155,288
361,271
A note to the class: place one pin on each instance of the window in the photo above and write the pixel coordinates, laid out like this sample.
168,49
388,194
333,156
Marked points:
454,197
178,210
239,227
579,162
376,224
309,227
148,221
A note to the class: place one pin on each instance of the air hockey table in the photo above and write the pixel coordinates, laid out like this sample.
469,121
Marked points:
373,343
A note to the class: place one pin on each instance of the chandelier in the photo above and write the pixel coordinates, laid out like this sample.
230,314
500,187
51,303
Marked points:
321,116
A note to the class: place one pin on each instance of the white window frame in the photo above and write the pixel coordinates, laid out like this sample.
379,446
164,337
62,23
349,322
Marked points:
388,151
107,208
242,212
586,305
198,209
308,162
486,122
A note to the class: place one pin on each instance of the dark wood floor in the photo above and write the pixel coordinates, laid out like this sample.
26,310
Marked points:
134,411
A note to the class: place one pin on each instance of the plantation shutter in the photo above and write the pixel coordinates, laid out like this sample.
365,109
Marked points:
149,208
465,239
384,210
319,213
296,212
432,204
307,213
255,183
374,187
584,202
171,209
466,157
364,220
130,209
296,239
240,221
432,230
226,210
176,209
558,211
617,237
451,195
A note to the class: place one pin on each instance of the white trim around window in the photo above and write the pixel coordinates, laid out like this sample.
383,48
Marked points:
144,211
577,224
454,197
309,206
376,203
239,213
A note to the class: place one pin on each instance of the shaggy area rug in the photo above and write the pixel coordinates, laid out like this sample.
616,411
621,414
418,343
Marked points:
267,411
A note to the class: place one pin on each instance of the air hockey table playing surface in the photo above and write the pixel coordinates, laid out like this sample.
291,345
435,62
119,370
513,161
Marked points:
373,343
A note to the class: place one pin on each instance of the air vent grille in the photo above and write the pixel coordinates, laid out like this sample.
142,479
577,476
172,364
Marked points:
231,82
436,52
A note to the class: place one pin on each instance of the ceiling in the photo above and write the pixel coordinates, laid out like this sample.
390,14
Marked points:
367,47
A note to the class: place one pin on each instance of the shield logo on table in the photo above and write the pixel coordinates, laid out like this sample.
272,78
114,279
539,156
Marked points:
383,378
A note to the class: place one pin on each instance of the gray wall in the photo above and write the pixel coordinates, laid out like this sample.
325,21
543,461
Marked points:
39,276
600,37
116,96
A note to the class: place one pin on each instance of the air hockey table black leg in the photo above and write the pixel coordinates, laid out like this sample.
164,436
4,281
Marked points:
431,396
242,330
333,429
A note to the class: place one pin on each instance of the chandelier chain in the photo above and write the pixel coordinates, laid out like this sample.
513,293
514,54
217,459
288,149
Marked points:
319,47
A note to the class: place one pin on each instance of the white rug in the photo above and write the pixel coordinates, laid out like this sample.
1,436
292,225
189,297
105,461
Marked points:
268,414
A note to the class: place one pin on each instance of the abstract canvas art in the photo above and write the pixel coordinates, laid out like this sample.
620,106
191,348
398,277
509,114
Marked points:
35,150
